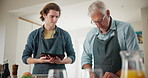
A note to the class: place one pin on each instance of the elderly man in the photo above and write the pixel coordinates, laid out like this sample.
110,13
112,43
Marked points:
103,43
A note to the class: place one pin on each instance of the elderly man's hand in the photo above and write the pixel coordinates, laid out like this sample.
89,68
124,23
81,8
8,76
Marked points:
93,75
110,75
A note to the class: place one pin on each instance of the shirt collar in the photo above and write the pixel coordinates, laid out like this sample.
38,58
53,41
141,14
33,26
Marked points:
43,28
113,25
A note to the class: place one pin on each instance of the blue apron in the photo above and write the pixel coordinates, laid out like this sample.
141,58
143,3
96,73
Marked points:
106,54
52,46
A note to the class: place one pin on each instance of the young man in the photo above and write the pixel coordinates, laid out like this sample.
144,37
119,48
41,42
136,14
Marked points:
103,43
48,43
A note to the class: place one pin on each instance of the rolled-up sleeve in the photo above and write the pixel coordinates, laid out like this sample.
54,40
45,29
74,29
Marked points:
87,55
28,49
69,48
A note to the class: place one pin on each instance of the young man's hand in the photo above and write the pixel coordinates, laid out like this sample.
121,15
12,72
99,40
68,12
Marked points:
58,60
47,59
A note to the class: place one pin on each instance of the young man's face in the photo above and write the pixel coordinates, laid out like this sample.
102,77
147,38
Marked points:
52,17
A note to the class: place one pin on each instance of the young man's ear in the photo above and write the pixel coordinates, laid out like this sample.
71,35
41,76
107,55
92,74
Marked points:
44,15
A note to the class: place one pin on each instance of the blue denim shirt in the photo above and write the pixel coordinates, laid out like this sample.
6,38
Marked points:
126,36
33,40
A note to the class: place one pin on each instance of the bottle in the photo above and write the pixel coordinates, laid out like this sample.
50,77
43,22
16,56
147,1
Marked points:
1,70
14,70
6,73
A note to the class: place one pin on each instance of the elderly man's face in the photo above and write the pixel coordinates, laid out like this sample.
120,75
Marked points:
100,20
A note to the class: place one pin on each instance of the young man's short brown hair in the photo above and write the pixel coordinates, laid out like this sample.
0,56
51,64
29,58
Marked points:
49,6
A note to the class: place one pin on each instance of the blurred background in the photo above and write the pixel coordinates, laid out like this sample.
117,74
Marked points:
19,17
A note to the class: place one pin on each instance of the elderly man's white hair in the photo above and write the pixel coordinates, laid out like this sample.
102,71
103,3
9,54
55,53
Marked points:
97,6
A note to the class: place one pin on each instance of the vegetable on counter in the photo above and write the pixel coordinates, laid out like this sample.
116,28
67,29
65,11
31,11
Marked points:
27,75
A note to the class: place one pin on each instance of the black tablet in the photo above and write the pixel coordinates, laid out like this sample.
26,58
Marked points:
61,56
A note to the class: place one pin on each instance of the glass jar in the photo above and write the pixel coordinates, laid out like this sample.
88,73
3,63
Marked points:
132,65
